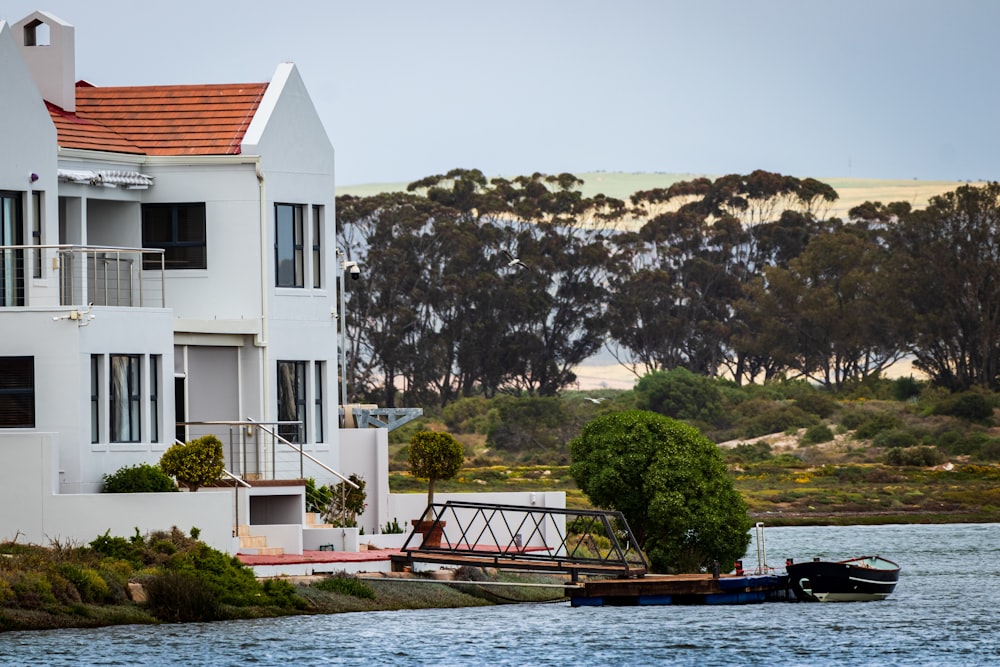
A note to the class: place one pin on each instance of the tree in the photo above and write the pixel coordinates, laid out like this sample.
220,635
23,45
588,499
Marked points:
670,483
434,455
197,463
946,275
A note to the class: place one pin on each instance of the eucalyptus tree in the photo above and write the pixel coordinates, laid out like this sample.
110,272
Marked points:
825,315
946,275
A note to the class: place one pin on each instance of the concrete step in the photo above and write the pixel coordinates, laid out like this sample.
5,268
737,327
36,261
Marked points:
242,530
252,542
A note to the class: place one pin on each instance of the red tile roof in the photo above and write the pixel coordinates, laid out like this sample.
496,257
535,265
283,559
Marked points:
159,120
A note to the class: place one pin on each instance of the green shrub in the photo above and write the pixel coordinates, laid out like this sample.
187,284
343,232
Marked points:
895,437
765,417
680,394
197,463
923,456
346,585
905,388
141,478
817,434
88,582
971,406
989,451
875,424
821,405
281,593
181,597
747,452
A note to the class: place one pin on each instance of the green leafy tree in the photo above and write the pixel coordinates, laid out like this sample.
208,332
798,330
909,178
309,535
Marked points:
671,484
197,463
680,394
434,455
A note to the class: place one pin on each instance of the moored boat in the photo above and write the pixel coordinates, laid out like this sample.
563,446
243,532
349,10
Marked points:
861,579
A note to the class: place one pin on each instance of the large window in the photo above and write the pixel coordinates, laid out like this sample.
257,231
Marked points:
292,399
288,247
317,248
180,230
125,398
11,261
95,397
318,400
17,392
154,397
36,230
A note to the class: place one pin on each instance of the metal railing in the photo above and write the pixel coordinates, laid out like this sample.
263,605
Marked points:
85,275
256,451
529,537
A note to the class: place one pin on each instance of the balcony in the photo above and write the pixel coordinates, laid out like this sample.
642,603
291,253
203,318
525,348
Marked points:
83,275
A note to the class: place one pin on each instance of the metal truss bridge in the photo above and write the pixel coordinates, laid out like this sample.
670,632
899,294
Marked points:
558,540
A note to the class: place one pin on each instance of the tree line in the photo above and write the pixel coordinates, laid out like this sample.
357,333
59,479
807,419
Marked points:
476,286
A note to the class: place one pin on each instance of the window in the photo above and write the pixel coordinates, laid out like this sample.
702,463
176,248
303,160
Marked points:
154,398
288,245
317,240
36,230
318,400
17,392
124,398
180,230
95,398
291,399
11,261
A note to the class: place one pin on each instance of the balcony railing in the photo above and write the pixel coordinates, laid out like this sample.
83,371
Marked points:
86,275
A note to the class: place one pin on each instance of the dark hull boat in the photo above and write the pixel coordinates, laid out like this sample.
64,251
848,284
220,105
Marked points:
854,580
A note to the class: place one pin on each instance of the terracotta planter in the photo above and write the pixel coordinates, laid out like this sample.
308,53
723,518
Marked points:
431,530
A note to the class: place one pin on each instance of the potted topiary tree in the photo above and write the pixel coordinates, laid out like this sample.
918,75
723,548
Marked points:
195,464
432,456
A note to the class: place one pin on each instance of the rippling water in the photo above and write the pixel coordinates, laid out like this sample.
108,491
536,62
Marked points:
943,612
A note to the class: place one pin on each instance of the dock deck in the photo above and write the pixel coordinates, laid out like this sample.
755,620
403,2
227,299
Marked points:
681,589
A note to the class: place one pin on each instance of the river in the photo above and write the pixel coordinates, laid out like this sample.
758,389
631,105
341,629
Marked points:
943,612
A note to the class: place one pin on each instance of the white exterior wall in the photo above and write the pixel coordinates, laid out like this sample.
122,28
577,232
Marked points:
31,511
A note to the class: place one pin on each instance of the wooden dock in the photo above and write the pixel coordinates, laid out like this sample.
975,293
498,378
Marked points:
681,589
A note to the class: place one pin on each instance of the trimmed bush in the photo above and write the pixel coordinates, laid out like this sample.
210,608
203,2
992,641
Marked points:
195,464
141,478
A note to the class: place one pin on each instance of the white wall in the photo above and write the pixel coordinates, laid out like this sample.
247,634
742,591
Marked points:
31,512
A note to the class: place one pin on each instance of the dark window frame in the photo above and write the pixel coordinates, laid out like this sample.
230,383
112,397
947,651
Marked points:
289,250
292,400
17,392
182,251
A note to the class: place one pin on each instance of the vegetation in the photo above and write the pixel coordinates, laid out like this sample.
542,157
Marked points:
183,580
141,478
745,276
434,456
670,483
198,463
347,502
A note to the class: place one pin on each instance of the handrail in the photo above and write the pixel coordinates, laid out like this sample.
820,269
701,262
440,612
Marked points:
236,479
302,453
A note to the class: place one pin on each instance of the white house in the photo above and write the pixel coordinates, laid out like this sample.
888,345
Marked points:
167,259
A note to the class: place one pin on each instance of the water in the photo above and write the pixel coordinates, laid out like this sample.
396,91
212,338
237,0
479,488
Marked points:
943,612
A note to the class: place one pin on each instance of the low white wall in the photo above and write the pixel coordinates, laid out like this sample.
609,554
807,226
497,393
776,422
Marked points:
341,539
288,537
31,511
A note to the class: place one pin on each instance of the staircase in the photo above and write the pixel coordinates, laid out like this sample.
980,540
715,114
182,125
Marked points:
312,521
255,545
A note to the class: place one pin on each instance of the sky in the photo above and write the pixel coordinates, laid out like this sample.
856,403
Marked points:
896,89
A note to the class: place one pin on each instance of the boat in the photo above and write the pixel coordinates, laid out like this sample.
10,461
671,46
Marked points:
861,579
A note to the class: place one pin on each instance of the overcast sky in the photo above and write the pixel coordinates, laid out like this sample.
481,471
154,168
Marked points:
408,88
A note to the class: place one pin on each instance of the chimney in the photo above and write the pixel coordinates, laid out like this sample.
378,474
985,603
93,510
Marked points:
48,46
